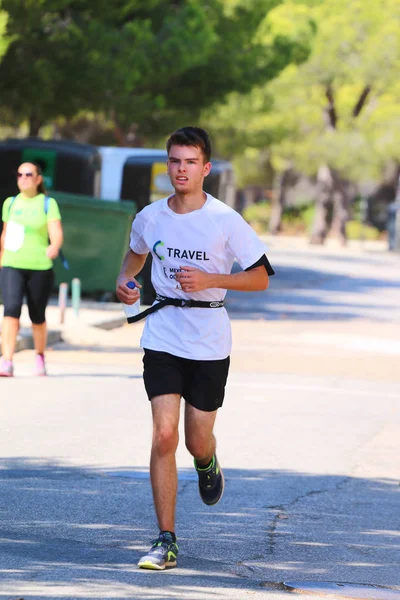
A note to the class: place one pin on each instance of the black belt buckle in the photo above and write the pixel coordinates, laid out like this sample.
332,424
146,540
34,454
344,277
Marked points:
187,303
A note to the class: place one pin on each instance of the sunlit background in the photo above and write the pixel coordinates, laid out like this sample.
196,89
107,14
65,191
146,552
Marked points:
301,97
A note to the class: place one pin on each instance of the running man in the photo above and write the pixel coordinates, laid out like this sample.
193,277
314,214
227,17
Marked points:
194,239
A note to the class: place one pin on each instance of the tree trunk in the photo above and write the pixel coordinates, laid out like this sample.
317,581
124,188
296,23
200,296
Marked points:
332,210
278,202
275,221
341,212
126,138
34,126
334,194
323,206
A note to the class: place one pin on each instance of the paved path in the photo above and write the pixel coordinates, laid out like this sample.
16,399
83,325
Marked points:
308,438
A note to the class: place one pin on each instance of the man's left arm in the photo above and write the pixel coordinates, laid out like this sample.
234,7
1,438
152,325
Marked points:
242,243
253,279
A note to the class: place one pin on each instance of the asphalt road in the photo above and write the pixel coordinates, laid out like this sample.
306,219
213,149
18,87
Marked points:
308,438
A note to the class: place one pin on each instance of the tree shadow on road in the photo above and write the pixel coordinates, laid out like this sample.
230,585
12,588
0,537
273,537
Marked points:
300,293
81,531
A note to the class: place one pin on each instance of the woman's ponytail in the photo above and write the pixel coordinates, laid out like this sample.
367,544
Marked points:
40,188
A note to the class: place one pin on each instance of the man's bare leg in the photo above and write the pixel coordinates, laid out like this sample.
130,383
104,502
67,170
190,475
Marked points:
164,481
199,437
163,474
200,442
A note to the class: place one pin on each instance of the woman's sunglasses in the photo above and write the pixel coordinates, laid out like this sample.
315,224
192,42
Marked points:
24,174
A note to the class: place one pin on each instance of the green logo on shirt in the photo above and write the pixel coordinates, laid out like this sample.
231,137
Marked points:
159,243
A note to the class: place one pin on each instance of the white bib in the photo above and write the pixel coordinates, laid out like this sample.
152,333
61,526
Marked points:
15,234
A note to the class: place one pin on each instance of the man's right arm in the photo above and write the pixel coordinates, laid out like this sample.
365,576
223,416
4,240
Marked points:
131,265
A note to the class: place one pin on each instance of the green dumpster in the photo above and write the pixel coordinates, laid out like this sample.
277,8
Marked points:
96,238
46,159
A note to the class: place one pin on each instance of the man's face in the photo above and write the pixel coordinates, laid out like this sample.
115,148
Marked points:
187,169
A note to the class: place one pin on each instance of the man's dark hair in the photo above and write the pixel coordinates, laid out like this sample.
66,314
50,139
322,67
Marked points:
191,136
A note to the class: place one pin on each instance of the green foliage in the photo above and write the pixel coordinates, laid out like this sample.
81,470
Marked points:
239,60
299,217
349,60
285,34
252,168
67,56
4,41
295,219
152,63
258,215
354,49
359,231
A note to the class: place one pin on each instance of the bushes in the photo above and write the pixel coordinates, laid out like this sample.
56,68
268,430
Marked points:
358,231
258,215
297,220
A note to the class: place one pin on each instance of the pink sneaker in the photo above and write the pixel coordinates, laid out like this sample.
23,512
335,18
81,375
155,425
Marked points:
40,365
6,368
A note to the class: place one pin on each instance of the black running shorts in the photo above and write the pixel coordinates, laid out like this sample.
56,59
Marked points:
200,382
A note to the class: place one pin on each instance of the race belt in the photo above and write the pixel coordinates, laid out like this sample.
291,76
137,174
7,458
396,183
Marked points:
180,302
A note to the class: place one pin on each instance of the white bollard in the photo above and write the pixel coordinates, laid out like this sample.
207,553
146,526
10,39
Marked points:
76,295
62,300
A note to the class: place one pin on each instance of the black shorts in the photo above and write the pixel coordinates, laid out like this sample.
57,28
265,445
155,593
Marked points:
35,285
200,382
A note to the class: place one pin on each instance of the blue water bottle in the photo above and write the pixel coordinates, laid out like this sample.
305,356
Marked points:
131,310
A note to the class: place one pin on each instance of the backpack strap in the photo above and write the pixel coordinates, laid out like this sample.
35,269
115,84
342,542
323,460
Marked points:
10,205
46,204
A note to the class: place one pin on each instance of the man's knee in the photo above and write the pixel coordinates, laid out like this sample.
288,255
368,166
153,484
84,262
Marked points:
197,446
165,440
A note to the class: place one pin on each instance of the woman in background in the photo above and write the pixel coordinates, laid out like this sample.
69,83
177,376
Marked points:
31,239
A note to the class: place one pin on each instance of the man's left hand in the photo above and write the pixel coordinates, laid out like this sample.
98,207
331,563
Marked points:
193,280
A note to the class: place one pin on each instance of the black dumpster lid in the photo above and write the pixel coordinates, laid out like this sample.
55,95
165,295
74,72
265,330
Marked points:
66,146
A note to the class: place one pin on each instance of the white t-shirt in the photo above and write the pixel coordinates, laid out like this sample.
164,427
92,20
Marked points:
209,239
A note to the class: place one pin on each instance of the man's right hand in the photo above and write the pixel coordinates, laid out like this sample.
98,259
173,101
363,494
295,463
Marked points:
125,294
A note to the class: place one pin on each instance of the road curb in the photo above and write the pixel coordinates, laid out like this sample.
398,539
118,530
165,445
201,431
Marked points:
25,340
110,323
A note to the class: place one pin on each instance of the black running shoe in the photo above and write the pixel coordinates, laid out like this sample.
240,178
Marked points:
211,482
162,554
